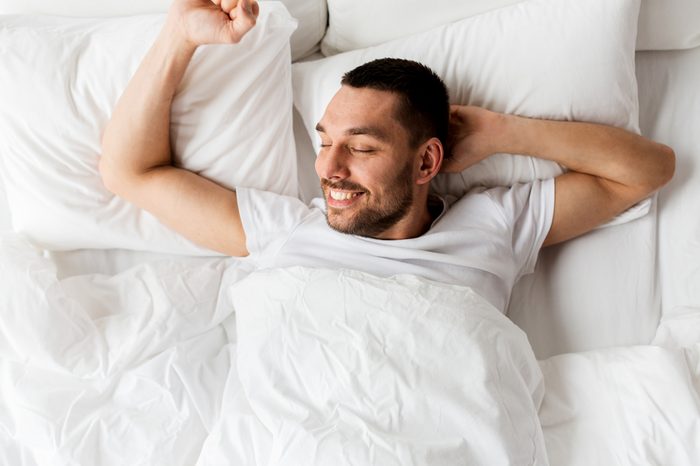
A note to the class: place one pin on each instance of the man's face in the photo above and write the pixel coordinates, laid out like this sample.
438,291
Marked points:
366,166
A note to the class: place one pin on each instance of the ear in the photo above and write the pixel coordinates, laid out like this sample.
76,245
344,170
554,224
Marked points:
430,159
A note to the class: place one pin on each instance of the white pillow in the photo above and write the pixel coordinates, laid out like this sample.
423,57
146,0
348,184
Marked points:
343,367
556,59
356,24
313,18
59,81
83,8
669,25
311,14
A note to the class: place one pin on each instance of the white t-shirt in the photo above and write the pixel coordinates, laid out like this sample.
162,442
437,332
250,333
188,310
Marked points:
485,240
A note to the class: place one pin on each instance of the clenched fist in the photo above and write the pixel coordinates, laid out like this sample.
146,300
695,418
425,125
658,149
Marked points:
202,22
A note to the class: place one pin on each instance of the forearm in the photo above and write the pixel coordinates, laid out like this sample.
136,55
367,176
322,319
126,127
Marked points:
603,151
137,138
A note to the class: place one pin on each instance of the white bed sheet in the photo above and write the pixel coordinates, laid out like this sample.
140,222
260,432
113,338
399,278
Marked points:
5,221
610,288
670,88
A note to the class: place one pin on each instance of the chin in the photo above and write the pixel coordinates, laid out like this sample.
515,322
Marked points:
338,224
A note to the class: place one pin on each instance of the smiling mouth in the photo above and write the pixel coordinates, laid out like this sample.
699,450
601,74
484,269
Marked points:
342,198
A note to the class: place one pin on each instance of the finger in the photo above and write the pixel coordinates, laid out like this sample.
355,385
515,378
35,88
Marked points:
216,2
244,16
247,9
243,19
228,5
255,8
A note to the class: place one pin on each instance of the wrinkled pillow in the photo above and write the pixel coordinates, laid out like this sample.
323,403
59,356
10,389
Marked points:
554,59
59,82
356,24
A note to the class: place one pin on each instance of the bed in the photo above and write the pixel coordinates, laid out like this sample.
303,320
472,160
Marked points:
123,344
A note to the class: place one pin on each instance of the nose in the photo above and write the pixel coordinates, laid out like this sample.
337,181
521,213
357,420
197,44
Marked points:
331,163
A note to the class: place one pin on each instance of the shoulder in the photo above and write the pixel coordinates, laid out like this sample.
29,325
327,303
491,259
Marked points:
265,210
501,204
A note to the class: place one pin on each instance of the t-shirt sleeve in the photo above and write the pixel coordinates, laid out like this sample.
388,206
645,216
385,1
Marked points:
268,220
529,208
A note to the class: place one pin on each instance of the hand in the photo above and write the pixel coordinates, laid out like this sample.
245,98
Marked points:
202,22
472,137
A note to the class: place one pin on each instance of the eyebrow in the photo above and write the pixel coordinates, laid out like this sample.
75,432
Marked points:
361,130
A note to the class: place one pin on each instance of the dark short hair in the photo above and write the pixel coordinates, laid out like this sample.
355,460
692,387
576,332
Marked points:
424,108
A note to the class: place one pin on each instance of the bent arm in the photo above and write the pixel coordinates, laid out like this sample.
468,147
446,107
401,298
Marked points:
136,161
610,169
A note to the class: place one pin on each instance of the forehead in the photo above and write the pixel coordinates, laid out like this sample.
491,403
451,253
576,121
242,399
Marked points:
361,107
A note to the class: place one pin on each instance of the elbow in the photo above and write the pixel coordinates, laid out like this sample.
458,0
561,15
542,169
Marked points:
657,174
114,179
667,158
671,163
107,175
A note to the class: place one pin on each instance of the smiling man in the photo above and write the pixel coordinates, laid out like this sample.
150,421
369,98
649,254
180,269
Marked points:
365,133
383,138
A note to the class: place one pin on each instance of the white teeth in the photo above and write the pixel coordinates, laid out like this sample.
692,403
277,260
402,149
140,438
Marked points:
339,196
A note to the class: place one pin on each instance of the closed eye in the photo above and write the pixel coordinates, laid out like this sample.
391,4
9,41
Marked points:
362,151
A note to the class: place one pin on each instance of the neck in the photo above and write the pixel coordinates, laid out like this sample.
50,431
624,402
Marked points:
416,222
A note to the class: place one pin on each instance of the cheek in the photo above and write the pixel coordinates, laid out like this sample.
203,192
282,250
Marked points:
317,165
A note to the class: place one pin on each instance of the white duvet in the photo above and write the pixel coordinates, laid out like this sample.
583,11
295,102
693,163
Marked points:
152,366
200,361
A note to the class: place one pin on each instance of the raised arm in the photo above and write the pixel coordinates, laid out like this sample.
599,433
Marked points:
610,169
136,161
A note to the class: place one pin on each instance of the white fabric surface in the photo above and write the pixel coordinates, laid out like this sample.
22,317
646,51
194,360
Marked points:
233,131
143,367
623,407
617,300
98,369
356,24
610,288
565,60
669,89
311,14
93,374
404,372
486,240
83,8
595,291
5,220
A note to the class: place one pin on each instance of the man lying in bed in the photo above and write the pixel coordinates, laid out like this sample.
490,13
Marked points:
384,137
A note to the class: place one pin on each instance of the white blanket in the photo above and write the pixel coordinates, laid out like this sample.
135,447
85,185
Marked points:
111,370
342,367
328,367
152,366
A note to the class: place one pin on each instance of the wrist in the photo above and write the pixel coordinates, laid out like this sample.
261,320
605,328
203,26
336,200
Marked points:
174,36
505,129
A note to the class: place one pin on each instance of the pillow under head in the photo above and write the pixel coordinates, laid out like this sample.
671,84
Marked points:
553,59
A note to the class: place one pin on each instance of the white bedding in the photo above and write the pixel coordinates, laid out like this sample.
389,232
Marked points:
668,84
183,362
636,405
88,368
99,364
